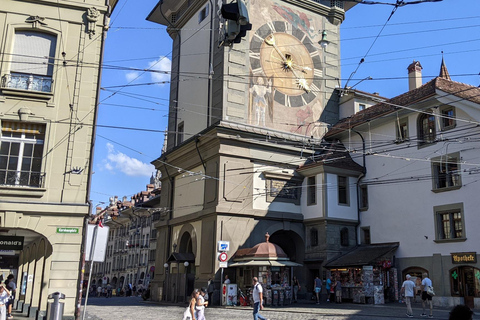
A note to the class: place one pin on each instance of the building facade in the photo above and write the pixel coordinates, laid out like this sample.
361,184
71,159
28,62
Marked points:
242,119
419,151
49,69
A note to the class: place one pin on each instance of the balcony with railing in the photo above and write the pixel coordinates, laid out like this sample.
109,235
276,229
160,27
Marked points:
29,82
17,178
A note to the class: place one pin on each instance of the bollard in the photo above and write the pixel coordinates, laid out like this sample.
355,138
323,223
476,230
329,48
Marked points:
55,308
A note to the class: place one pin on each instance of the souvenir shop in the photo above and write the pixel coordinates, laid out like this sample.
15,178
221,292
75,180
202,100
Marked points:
367,274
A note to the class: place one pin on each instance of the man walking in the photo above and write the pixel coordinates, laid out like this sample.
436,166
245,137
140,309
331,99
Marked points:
257,300
408,290
317,284
426,283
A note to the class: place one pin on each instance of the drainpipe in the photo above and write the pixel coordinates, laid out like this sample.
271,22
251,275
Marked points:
358,184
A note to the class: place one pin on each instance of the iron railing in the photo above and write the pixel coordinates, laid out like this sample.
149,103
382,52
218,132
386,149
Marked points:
22,178
27,82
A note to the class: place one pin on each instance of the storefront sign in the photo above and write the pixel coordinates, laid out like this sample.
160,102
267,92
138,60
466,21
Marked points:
464,257
368,268
11,243
67,230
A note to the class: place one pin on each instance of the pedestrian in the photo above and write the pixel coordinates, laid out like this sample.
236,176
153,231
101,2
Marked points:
12,288
461,312
426,298
329,288
201,304
296,288
408,290
99,291
257,300
227,281
189,313
338,291
418,288
317,284
4,297
210,289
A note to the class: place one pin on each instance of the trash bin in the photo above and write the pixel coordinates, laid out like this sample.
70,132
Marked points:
55,308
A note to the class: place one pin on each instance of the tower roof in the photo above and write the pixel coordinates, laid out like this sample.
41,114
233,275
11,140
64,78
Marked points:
443,71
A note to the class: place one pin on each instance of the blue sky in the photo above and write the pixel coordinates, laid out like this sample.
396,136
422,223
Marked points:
414,32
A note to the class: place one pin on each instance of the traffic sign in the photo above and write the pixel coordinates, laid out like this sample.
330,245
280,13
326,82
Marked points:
224,264
223,246
223,257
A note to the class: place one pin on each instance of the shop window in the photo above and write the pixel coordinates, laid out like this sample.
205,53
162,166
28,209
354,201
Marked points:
426,129
449,223
343,190
363,205
446,172
32,61
313,237
448,118
21,152
401,130
311,190
344,237
465,282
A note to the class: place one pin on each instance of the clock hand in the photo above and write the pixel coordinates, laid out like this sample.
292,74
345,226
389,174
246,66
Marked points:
289,63
301,82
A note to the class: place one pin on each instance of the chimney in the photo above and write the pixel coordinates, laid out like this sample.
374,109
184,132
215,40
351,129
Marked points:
414,75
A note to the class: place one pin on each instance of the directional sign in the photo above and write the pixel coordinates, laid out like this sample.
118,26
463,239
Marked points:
223,257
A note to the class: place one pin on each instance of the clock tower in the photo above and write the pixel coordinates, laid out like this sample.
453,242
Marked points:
246,110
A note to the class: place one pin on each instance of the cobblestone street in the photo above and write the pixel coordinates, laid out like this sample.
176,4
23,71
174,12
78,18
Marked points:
135,308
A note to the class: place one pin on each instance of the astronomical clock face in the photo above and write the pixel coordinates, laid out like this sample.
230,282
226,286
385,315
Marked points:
286,56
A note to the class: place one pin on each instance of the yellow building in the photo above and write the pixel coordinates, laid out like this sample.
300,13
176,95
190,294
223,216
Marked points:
50,54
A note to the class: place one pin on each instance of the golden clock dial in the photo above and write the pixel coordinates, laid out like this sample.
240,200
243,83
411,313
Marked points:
286,59
285,54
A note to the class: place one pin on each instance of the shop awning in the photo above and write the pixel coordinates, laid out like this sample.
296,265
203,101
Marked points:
181,257
271,263
363,255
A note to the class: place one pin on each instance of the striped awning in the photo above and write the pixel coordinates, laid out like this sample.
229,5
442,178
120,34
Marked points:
23,127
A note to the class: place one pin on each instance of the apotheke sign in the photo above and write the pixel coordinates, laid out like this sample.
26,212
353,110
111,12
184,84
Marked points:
11,243
464,257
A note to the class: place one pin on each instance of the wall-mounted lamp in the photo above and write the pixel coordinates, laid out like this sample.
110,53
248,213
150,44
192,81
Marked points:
186,264
324,42
165,265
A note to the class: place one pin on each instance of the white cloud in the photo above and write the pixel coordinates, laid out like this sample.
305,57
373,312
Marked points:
132,75
117,161
163,64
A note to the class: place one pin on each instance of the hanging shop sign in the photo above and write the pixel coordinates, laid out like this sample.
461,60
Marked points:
11,243
464,257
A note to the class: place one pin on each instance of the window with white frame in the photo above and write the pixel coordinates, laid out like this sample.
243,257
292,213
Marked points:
363,198
447,118
426,129
311,190
203,14
32,62
401,126
343,188
361,107
446,172
21,152
450,224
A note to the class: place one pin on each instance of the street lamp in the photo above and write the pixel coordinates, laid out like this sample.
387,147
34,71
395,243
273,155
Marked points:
165,282
186,266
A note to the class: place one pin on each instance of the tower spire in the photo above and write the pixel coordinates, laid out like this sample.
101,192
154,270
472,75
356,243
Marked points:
443,70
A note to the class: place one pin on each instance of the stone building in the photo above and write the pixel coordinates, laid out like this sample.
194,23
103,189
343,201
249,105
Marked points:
49,69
